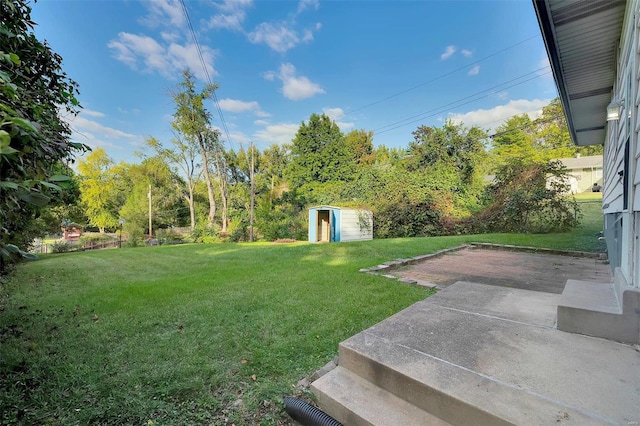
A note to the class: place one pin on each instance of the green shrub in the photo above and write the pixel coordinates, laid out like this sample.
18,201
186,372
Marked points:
527,198
63,246
168,236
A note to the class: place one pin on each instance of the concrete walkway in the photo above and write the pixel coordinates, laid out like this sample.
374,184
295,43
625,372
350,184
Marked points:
484,354
529,271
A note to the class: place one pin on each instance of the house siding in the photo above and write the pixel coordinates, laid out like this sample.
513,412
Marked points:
621,197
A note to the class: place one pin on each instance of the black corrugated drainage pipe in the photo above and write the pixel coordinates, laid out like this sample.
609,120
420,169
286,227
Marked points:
306,414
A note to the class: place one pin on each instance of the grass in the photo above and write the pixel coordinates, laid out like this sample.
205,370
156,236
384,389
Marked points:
198,334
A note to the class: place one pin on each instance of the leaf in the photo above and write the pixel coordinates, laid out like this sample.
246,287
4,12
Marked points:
35,198
14,58
5,139
59,178
8,184
51,186
7,150
26,124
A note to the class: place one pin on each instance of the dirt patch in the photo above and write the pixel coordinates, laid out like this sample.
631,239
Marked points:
530,271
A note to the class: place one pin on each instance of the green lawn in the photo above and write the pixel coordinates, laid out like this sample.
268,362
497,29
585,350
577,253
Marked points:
198,334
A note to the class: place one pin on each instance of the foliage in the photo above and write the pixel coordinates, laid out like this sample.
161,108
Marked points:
63,246
100,194
33,136
167,206
319,154
529,198
168,236
192,122
92,237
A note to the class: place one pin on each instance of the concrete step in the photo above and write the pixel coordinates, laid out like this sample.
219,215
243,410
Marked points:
354,401
447,391
594,309
477,354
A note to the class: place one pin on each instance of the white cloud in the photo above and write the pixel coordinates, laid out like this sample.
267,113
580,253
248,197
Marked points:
494,117
261,122
277,133
91,113
308,4
164,12
475,70
294,87
239,137
448,52
141,52
232,15
95,135
234,105
238,106
227,22
336,114
278,37
502,95
466,52
81,123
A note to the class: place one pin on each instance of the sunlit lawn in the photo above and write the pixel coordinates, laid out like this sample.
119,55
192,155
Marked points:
198,334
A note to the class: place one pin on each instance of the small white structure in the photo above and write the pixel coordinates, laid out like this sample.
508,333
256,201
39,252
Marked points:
337,224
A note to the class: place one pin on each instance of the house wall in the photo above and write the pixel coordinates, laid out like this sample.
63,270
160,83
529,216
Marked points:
621,192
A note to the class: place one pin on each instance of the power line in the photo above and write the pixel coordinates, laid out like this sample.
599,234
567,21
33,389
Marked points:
206,71
441,76
456,103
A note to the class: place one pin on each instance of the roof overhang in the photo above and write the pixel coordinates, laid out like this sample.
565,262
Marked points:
581,38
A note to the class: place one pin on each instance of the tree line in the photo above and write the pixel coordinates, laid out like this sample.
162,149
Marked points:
436,184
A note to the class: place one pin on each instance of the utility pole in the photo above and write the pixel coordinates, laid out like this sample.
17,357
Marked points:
150,226
253,192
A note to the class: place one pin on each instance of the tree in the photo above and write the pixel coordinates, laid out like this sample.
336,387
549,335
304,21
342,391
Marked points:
360,146
33,137
319,154
192,121
552,133
98,189
184,156
167,205
452,146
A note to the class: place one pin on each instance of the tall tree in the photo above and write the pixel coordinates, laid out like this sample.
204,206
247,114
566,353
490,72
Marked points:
360,146
193,122
98,188
319,154
166,203
184,156
33,137
453,146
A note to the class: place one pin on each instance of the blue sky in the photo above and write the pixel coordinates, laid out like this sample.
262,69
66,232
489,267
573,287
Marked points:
386,66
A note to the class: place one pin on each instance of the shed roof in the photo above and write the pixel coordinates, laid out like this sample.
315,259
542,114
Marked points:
582,162
582,40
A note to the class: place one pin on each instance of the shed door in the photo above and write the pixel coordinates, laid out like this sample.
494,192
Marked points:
324,226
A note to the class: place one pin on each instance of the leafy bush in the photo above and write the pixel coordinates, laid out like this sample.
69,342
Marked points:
168,236
63,246
528,198
93,238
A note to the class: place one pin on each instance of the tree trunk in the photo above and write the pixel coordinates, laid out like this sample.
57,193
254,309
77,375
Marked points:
192,207
207,178
222,184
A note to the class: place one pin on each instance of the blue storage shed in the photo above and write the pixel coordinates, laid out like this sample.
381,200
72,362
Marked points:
338,224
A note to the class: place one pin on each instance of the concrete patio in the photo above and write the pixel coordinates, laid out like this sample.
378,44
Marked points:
483,354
